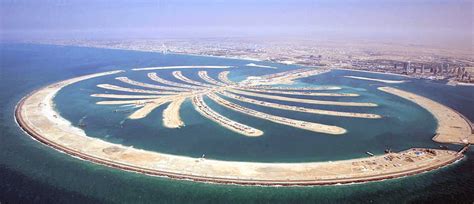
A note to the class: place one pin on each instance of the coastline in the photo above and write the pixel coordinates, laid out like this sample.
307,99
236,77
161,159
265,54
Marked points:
30,108
373,72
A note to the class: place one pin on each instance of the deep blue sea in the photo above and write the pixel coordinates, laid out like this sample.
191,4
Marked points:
32,172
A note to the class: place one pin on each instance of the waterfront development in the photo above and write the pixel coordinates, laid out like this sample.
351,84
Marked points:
202,140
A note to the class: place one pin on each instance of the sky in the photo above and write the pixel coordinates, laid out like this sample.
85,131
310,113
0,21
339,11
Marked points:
437,22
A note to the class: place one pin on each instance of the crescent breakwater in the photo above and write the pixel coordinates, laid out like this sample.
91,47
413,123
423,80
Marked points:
36,115
452,128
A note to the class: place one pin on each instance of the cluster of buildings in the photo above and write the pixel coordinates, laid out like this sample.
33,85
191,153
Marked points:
455,72
417,61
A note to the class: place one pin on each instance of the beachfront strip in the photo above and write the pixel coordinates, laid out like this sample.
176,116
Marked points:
171,117
37,116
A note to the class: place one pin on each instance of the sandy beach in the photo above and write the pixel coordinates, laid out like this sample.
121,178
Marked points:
374,72
171,118
182,67
377,80
260,66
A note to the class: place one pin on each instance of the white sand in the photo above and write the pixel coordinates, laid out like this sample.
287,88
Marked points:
260,66
182,67
378,80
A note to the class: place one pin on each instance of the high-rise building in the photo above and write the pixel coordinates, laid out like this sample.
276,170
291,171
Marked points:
405,68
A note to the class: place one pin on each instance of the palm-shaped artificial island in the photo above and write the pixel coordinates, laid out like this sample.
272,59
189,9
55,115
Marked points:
165,91
36,114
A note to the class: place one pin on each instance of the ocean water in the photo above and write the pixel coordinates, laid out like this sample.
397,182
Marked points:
32,172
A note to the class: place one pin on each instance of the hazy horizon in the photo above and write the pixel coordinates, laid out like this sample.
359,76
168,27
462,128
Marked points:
440,23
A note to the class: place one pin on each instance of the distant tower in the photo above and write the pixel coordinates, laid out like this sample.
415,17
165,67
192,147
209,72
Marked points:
422,68
164,49
405,68
459,72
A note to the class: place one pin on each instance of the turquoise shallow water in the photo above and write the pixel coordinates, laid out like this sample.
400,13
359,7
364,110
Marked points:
402,121
33,172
